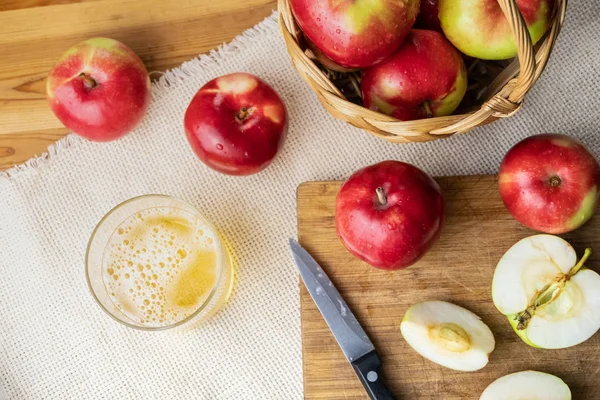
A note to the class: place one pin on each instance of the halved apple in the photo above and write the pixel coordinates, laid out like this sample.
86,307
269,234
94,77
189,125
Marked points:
531,385
550,299
448,335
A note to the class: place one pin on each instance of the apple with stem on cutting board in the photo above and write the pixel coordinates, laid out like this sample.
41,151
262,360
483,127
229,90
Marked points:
99,89
389,214
236,124
551,300
426,77
550,183
479,28
355,33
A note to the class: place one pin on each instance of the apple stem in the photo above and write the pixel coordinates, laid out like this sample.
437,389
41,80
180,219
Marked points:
577,267
381,196
243,113
88,82
427,107
554,181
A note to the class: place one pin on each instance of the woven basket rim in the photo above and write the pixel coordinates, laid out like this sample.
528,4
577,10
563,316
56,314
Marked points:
503,97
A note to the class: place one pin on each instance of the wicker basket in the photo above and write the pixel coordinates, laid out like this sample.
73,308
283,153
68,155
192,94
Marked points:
501,97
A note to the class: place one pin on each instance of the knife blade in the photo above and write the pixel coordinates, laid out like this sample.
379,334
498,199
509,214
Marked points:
352,339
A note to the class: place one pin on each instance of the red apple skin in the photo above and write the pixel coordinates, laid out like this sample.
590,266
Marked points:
324,60
428,16
355,33
535,197
398,233
223,137
120,95
426,68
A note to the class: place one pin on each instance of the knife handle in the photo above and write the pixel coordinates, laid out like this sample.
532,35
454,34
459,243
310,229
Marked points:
368,369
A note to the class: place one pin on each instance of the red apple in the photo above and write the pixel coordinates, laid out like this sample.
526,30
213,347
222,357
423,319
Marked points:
236,124
550,182
355,33
99,89
324,60
425,77
428,16
389,214
479,29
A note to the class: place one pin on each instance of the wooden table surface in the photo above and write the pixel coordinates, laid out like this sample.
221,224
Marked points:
34,33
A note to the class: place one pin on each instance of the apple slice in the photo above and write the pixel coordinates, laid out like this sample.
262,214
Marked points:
550,299
448,335
532,385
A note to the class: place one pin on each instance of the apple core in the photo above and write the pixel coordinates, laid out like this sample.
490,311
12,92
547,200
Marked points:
550,293
450,336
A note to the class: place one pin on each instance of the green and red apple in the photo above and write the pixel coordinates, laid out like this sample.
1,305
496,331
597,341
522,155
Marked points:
448,335
355,33
389,214
550,183
479,28
531,385
99,89
551,300
425,77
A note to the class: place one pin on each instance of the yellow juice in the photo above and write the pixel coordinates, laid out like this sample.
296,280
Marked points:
161,265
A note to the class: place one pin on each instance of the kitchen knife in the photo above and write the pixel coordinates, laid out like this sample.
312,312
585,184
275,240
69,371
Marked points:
352,339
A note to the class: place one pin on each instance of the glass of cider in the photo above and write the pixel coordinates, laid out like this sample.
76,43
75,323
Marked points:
154,262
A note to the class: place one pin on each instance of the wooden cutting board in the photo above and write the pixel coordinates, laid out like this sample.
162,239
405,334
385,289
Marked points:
459,269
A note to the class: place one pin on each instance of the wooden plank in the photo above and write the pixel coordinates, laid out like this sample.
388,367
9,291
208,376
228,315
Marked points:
6,5
163,34
459,268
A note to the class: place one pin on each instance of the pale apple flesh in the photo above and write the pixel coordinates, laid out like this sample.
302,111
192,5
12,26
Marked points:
448,335
425,77
99,89
479,28
550,299
530,385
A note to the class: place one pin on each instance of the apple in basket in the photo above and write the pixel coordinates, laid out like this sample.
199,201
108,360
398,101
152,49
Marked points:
236,124
550,183
479,28
425,77
355,33
389,214
99,89
324,60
